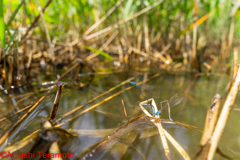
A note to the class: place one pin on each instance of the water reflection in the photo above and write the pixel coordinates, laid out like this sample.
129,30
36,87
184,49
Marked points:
144,142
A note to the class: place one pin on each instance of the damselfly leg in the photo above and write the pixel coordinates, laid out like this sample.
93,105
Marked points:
174,100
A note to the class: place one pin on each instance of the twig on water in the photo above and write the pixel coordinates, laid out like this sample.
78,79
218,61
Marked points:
56,102
125,112
176,145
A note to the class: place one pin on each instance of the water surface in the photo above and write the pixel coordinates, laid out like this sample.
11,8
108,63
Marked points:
198,93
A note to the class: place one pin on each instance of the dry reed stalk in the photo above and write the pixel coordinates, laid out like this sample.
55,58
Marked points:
145,76
56,102
178,65
159,125
211,119
178,44
69,70
103,46
152,35
139,40
47,33
223,47
231,32
8,11
177,146
125,112
29,59
147,102
164,140
160,54
209,67
120,52
194,43
102,19
201,42
122,21
125,28
123,42
235,68
119,139
138,29
165,49
227,107
235,57
10,130
210,122
99,133
24,38
77,71
146,34
185,58
129,28
148,131
169,58
138,51
19,111
10,71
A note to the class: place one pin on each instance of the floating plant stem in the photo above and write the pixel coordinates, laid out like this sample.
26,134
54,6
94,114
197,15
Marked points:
227,107
56,102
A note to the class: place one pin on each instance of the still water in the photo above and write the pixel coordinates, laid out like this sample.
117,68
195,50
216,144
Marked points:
107,115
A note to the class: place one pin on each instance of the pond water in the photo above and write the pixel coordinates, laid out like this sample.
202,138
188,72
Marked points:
107,115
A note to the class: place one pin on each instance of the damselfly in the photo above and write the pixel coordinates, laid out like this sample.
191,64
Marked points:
174,100
149,102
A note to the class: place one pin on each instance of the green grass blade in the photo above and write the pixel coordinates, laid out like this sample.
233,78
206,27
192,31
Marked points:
128,8
99,52
14,13
19,38
2,25
9,43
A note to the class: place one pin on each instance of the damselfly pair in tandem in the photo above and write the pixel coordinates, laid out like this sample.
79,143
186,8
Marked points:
150,103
